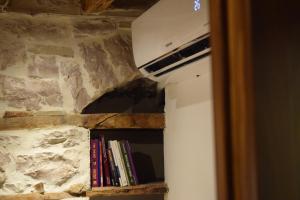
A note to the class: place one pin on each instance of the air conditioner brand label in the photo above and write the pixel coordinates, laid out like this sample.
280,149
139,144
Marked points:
197,5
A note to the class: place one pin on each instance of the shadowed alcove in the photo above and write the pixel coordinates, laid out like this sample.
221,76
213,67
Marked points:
138,96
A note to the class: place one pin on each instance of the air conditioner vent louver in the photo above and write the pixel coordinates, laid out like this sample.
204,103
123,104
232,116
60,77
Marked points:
198,46
181,65
195,48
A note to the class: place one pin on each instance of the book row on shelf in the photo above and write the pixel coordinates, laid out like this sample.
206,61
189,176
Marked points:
112,164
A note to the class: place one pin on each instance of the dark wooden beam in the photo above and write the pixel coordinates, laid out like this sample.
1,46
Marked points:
146,189
96,5
133,4
91,121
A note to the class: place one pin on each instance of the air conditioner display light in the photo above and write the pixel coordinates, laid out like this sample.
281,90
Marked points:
197,5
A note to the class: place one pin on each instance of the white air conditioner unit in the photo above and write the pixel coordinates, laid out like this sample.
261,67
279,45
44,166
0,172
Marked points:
171,40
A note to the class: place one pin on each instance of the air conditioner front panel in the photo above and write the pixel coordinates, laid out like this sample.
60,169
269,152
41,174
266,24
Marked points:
166,26
187,72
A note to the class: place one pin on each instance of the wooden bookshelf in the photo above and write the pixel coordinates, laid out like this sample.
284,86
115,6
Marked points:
145,189
15,121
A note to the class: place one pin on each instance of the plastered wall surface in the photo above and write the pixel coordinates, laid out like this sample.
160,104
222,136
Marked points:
188,137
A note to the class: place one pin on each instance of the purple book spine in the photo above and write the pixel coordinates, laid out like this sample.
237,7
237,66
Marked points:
105,163
95,163
128,148
101,163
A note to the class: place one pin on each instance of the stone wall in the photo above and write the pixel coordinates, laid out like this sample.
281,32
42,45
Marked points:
57,159
61,63
56,63
45,6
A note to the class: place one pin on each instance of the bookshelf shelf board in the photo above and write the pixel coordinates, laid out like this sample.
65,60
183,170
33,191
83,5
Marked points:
145,189
16,121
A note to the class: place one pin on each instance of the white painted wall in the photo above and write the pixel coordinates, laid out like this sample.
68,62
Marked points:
189,140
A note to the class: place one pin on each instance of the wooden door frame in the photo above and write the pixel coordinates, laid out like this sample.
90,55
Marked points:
233,99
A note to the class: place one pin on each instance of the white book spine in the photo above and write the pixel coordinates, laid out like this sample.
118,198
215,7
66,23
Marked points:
119,161
123,163
113,149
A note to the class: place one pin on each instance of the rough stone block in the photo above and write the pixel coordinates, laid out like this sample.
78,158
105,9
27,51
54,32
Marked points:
2,177
39,188
73,78
34,29
119,46
52,50
48,167
43,67
46,6
125,24
21,93
97,65
57,157
78,189
48,90
12,51
94,27
120,49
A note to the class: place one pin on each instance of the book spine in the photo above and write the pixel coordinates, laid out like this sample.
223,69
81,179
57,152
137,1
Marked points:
107,181
127,164
117,156
129,152
123,162
118,175
95,163
113,169
101,163
113,149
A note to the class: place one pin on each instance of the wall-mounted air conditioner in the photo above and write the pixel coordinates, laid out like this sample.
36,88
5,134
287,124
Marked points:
171,40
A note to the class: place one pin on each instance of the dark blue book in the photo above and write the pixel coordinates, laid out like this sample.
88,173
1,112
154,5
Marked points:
127,162
113,168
